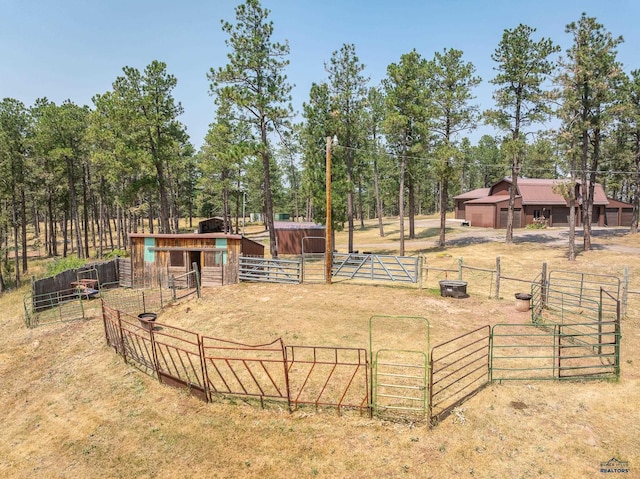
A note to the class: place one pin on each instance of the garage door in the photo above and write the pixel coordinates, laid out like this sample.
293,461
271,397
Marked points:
560,216
612,217
517,223
627,216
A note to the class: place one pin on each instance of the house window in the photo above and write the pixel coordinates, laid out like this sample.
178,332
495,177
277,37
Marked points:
536,214
176,258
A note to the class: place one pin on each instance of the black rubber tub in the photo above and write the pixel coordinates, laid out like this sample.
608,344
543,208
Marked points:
453,289
147,320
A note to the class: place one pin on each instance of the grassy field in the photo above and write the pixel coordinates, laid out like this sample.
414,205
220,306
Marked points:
71,408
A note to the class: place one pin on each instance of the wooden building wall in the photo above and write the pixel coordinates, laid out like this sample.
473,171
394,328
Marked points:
157,258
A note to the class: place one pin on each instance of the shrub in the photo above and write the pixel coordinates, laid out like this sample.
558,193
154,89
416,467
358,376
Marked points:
116,253
63,264
538,223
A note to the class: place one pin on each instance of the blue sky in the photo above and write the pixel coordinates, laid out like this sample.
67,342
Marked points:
73,49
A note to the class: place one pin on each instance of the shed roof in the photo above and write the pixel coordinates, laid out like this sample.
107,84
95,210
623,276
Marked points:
489,200
297,225
473,194
185,235
619,204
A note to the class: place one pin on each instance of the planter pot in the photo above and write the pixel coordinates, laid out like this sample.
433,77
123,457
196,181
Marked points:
147,320
453,289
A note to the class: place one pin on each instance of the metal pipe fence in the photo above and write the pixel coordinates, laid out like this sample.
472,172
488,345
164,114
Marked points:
386,379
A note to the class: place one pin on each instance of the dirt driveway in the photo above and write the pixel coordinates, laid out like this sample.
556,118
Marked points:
557,236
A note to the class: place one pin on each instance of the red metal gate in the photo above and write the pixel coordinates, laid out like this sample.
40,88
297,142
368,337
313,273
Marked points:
327,376
245,370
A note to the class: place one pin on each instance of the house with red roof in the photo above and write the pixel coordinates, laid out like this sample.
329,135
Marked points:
536,199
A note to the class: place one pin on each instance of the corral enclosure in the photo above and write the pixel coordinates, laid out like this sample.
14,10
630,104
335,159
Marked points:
126,424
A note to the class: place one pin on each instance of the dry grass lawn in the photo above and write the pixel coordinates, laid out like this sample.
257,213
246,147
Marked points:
71,408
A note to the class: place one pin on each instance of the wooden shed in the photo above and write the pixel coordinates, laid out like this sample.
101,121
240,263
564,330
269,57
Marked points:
215,255
211,225
290,235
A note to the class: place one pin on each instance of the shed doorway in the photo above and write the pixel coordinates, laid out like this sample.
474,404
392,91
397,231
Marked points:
195,257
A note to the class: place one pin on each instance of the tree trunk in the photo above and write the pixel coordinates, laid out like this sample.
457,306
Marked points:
23,222
85,210
376,184
268,201
165,227
572,226
53,240
16,250
636,188
65,247
412,208
444,198
403,166
73,203
512,198
350,199
360,208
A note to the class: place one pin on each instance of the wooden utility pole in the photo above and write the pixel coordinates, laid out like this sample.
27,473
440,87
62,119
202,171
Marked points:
328,243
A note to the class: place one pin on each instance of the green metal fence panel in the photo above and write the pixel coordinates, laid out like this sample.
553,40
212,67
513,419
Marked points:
585,286
399,379
66,305
524,352
400,382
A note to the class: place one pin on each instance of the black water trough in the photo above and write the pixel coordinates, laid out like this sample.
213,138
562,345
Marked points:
147,319
453,289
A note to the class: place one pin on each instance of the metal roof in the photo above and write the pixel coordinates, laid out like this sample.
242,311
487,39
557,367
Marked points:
185,235
296,225
489,200
540,191
473,194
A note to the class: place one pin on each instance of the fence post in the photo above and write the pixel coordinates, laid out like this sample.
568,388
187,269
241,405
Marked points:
420,265
460,268
497,277
543,286
194,265
122,348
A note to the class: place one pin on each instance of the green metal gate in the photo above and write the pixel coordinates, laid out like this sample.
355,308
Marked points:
399,374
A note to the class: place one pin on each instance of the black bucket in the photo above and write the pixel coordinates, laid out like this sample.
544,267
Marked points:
147,319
